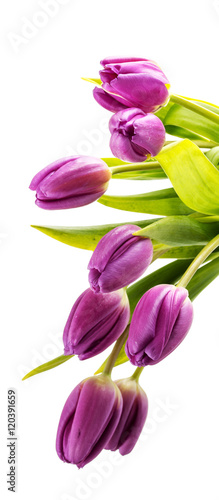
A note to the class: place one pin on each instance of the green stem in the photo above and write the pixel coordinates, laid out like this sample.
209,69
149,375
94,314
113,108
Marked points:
115,352
135,166
159,250
199,259
137,373
177,99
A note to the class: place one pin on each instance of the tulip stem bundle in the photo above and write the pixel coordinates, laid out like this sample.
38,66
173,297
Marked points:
146,316
196,263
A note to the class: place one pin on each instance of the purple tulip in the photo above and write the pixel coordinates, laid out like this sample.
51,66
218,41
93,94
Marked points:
132,420
118,259
131,82
88,420
95,322
160,322
71,182
135,136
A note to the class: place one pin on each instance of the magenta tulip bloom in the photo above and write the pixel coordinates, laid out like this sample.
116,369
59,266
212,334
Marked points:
131,82
160,322
136,136
95,322
118,259
133,417
88,420
71,182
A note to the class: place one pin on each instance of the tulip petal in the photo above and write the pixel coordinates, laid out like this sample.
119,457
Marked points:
108,432
127,267
128,397
143,324
166,319
40,176
149,134
135,423
106,100
109,244
75,178
94,409
91,310
113,334
180,329
111,60
71,201
66,420
121,148
140,90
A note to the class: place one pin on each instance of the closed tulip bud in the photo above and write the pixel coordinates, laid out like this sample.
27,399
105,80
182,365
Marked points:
88,420
133,417
131,82
71,182
95,322
118,259
136,136
160,322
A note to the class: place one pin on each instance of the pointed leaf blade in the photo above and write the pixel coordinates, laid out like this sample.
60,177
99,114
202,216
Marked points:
162,202
48,366
85,237
180,230
194,177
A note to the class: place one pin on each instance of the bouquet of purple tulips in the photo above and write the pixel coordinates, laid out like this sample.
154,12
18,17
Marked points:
147,318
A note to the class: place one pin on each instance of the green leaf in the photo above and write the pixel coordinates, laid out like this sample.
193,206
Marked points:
186,252
171,273
48,366
180,230
85,237
202,278
162,112
213,156
114,162
162,202
194,177
182,122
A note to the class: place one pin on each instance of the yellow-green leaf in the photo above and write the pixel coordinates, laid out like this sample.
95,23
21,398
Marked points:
194,177
48,366
162,202
180,230
85,237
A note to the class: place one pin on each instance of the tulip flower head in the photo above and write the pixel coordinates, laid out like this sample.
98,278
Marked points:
88,420
131,82
133,416
160,322
118,259
136,136
71,182
95,322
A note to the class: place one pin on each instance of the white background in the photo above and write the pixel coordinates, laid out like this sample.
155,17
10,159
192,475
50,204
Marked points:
48,112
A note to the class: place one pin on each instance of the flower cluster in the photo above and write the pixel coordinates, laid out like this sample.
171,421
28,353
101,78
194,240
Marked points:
134,89
117,410
147,323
